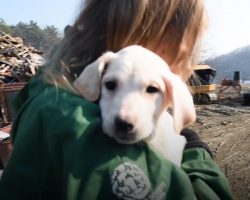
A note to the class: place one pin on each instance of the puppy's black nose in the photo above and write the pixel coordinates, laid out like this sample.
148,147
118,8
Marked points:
122,125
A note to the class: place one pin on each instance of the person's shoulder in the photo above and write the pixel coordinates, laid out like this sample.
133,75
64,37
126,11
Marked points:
57,112
53,97
63,105
56,108
46,96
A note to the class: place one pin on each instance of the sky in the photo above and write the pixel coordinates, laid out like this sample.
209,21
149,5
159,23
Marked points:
45,12
228,27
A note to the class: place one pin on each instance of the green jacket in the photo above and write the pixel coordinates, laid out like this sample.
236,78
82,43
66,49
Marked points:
60,152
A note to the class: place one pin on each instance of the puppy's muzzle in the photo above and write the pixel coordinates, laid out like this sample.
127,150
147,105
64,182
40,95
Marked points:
123,129
122,126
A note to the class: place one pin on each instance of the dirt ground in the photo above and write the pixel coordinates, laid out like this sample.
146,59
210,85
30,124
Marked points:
225,126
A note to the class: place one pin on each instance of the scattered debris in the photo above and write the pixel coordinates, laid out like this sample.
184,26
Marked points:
18,63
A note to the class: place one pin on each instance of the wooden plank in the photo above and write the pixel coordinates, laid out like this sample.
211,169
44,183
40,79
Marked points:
5,62
6,50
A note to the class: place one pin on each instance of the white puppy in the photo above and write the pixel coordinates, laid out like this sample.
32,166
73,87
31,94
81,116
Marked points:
135,87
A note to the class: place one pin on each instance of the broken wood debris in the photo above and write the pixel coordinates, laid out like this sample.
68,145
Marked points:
18,63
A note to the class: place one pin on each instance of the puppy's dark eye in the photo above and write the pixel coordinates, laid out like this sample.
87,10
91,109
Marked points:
110,85
152,89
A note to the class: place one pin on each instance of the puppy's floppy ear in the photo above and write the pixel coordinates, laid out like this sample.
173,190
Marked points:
88,84
179,97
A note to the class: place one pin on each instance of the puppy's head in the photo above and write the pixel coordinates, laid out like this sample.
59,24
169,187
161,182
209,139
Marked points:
135,86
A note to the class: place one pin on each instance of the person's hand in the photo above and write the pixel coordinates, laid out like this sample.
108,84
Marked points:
194,140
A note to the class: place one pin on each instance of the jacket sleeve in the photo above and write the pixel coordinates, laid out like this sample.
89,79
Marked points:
209,182
26,171
43,134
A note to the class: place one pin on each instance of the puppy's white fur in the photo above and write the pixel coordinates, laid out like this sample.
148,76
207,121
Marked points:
143,88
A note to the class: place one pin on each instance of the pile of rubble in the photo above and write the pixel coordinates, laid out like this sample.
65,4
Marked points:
18,63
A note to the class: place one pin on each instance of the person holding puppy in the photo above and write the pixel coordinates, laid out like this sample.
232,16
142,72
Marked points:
60,151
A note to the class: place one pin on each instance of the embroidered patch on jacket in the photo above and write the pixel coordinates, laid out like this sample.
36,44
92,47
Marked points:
129,182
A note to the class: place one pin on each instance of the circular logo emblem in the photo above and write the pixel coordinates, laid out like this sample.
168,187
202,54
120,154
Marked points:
129,182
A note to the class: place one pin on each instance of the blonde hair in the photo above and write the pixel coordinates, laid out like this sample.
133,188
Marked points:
172,25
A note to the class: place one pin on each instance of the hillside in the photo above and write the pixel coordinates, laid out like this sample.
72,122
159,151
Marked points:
226,65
